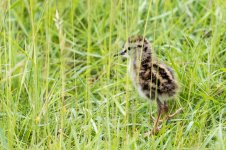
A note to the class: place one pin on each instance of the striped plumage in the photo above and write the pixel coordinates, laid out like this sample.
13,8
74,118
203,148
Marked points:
153,79
156,80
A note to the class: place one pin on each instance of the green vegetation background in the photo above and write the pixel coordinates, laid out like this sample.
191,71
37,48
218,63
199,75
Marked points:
60,86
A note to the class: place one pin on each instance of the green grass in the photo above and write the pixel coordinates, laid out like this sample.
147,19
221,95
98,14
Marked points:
61,87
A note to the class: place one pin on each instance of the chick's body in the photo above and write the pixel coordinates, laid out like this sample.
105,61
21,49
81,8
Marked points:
153,79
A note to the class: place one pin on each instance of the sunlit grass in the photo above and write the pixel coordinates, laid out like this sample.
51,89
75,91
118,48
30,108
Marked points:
61,87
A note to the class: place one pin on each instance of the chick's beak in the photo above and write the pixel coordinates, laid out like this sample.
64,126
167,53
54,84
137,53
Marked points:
123,52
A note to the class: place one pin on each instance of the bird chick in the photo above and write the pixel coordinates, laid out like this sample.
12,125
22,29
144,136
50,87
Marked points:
153,79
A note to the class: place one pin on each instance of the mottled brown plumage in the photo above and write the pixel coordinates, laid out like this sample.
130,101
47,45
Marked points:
153,79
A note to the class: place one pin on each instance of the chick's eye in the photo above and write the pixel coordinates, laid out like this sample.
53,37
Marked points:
128,48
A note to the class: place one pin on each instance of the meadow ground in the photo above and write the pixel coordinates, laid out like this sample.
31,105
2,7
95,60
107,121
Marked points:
61,87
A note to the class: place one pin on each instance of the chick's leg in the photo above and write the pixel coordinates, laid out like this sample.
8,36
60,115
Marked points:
156,127
154,119
165,107
174,114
